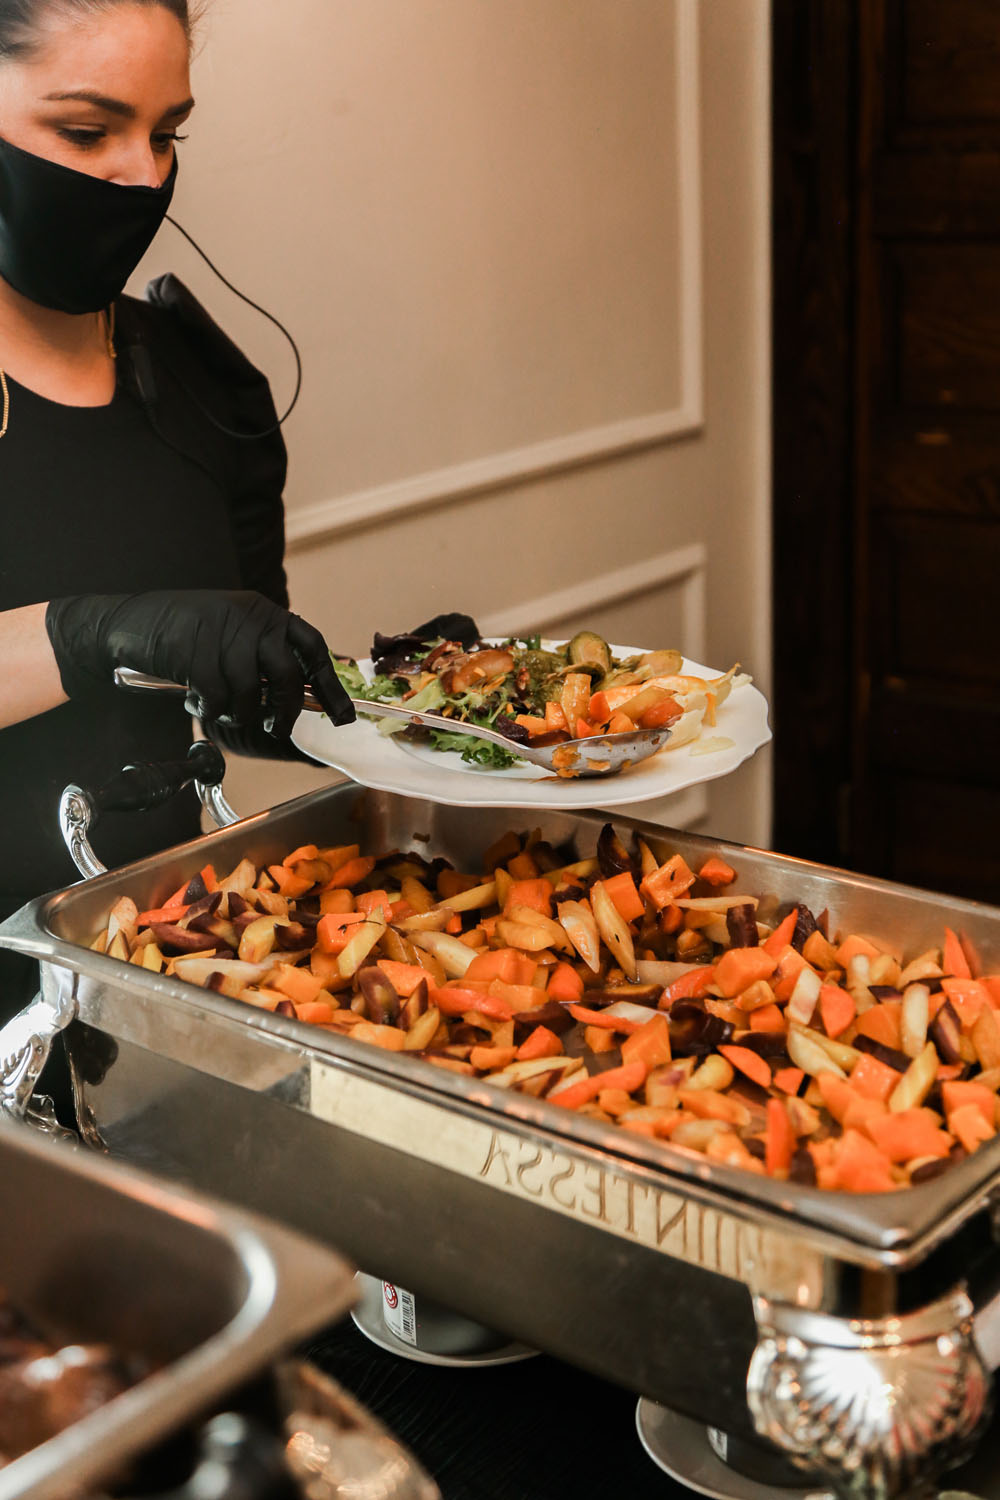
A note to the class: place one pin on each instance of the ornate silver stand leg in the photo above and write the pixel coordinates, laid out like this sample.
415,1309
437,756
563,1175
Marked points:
25,1044
881,1406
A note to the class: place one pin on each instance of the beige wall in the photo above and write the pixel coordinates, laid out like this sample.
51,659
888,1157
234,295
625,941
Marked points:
523,245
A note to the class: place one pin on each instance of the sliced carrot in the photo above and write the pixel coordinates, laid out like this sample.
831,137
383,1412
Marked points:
523,867
585,730
536,894
671,919
516,997
769,1018
855,946
715,871
738,968
372,901
486,1058
620,724
782,934
790,965
603,1020
908,1134
968,1126
968,996
541,1042
456,1000
956,1095
508,964
789,1080
992,983
837,1094
599,710
305,851
333,932
689,986
317,1012
749,1062
161,914
300,985
555,719
873,1079
565,983
629,1077
837,1008
860,1167
650,1044
532,723
404,978
326,969
953,959
288,884
883,1023
334,901
599,1039
351,873
622,890
659,715
780,1140
668,881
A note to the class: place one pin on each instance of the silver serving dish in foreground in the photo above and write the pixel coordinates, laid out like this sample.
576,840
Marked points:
840,1326
95,1252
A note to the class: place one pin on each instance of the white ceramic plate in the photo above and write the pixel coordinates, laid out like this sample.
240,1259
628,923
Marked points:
390,763
680,1447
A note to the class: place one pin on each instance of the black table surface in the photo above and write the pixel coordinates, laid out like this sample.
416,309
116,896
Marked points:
535,1430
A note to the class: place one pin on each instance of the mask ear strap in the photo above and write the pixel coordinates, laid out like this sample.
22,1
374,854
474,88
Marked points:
229,431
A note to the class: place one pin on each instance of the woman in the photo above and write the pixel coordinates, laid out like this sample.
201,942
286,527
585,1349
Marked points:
135,528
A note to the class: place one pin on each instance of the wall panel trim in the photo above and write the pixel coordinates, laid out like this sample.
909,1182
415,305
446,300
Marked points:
314,524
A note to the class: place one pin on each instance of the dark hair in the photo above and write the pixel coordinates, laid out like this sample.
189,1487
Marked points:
21,20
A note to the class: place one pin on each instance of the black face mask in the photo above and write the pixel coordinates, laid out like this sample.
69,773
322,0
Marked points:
70,241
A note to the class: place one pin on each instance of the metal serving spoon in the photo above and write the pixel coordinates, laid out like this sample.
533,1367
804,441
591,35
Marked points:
599,755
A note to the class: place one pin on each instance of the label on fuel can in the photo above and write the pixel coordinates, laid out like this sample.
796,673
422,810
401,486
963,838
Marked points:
399,1312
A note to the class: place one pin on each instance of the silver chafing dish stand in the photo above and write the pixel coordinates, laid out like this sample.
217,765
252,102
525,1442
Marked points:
856,1332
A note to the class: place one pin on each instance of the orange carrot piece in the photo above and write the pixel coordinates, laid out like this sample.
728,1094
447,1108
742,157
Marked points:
622,890
555,719
334,901
855,946
333,932
300,985
373,901
316,1012
599,710
584,730
659,715
486,1058
603,1020
837,1008
536,894
749,1062
739,968
629,1077
953,959
873,1079
883,1023
860,1167
523,867
565,983
967,996
668,881
671,919
620,724
716,872
908,1134
789,1080
305,851
650,1044
597,1039
456,1000
782,934
837,1094
690,986
288,884
516,997
404,978
955,1095
161,914
541,1042
769,1018
533,723
508,964
968,1126
780,1140
352,873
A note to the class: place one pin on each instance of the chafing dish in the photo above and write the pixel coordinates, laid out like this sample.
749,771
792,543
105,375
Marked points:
842,1327
204,1295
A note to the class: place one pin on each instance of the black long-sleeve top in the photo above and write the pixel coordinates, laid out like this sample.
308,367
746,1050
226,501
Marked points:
144,493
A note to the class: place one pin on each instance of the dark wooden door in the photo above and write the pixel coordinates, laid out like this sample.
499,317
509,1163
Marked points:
903,764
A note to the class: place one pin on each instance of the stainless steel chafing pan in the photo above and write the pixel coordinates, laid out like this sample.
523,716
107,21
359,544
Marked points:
94,1251
828,1321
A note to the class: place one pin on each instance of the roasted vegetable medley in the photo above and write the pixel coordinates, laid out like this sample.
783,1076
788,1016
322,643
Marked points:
536,693
625,986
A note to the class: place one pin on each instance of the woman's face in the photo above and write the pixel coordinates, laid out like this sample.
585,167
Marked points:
103,93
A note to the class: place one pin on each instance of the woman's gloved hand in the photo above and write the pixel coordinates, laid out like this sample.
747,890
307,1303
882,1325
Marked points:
245,659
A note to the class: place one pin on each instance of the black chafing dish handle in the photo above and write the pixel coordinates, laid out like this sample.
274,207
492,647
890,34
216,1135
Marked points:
138,789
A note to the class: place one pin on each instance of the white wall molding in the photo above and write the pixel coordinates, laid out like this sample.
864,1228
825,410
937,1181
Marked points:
312,525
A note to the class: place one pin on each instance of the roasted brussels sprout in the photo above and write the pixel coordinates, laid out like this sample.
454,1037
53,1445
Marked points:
589,650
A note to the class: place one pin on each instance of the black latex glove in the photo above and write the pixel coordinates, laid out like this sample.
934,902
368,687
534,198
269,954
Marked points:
245,659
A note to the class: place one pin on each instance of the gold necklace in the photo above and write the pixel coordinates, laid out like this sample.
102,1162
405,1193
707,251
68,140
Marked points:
109,339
